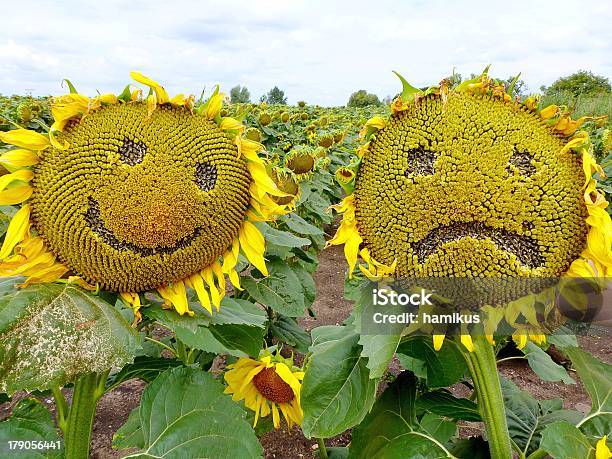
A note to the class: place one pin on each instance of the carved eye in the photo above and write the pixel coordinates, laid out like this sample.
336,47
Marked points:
521,160
420,162
205,176
132,152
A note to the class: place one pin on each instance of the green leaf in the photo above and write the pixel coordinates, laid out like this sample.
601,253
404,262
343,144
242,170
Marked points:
281,290
144,368
308,284
597,379
562,338
527,417
287,330
337,391
129,434
417,366
237,340
282,238
51,333
444,367
391,431
379,350
408,91
439,428
543,365
184,413
562,440
30,421
296,223
444,403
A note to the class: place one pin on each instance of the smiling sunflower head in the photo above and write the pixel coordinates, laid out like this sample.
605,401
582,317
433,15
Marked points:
133,194
471,182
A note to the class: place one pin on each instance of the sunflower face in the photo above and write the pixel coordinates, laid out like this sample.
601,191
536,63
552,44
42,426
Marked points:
272,387
136,200
470,186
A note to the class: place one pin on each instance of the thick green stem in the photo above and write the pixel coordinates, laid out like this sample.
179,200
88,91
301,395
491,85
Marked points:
77,432
482,364
322,448
61,407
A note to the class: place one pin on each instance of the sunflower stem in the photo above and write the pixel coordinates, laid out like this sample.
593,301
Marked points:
322,448
61,407
483,368
77,431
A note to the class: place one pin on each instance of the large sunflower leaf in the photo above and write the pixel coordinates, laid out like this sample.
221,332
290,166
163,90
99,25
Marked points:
543,365
444,367
337,392
184,413
300,226
444,403
527,417
144,367
50,334
563,440
30,422
287,330
597,379
391,429
282,290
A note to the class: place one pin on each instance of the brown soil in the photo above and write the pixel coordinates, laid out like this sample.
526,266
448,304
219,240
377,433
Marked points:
331,308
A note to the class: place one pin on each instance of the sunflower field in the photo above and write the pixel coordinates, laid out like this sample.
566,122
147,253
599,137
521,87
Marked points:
165,258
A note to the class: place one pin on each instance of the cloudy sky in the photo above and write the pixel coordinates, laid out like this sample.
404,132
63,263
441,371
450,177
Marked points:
319,51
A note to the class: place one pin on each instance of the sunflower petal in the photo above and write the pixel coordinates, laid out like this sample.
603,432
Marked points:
24,138
17,230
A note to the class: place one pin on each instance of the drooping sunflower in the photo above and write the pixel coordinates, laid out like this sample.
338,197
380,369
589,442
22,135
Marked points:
270,379
131,194
472,182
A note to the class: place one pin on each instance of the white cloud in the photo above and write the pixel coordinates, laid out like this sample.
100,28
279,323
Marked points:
320,51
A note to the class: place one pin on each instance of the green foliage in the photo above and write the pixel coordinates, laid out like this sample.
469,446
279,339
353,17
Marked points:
362,98
30,422
52,333
580,83
240,95
337,392
184,412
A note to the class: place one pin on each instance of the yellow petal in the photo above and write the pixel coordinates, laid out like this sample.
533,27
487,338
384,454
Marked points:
19,158
24,138
438,340
207,275
230,124
16,231
196,282
213,106
46,275
160,92
466,340
253,246
175,295
15,195
275,416
24,175
601,449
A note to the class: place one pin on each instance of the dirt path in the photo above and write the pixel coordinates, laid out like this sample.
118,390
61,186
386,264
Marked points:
331,308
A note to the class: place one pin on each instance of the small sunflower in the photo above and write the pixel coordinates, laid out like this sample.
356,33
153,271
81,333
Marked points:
470,182
130,194
270,379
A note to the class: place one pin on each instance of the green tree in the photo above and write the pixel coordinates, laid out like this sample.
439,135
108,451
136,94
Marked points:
240,95
274,96
362,98
581,82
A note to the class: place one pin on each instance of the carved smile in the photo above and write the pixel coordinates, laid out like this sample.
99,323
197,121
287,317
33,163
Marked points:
525,248
97,226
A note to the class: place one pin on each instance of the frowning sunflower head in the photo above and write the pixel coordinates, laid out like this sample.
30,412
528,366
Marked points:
470,182
131,194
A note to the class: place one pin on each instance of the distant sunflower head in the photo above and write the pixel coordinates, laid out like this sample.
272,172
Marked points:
267,385
287,182
284,117
326,140
264,118
301,160
132,195
253,134
301,103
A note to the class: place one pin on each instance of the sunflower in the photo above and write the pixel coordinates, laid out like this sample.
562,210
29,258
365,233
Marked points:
469,182
131,194
270,379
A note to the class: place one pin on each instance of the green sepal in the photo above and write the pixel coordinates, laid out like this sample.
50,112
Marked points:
203,107
408,91
126,94
70,86
463,86
510,89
